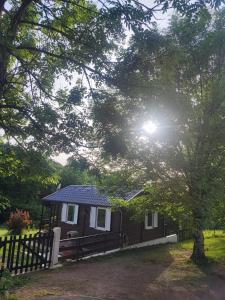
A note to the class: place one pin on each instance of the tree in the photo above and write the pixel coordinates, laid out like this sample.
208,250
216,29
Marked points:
175,80
41,40
119,183
26,176
78,172
216,219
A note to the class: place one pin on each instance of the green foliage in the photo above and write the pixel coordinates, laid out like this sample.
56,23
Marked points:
25,177
34,177
8,282
175,79
4,203
45,41
78,171
170,202
76,95
216,219
118,183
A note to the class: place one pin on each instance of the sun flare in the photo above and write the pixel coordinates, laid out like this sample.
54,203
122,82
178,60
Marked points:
150,127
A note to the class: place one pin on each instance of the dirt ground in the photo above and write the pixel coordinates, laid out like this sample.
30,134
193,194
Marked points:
145,274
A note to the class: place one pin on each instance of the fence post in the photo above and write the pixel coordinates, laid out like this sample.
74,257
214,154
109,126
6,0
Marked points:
55,246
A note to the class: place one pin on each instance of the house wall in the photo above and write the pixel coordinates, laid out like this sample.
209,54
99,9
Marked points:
83,224
171,227
136,233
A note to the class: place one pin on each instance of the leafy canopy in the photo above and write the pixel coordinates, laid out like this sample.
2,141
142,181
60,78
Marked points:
44,40
176,79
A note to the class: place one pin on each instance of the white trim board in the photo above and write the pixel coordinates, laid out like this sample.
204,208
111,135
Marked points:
164,240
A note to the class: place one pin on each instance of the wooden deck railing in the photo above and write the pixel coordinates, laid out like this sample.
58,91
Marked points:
75,248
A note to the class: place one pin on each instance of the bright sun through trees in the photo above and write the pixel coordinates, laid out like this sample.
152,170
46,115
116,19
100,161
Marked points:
150,127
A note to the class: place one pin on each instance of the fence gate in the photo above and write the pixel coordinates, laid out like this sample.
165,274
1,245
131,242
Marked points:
20,254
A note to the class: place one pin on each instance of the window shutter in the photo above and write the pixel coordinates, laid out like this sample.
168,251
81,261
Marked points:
93,217
108,219
76,213
64,212
155,219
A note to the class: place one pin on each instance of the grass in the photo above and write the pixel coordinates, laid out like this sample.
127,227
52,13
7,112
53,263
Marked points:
5,232
183,271
214,245
45,293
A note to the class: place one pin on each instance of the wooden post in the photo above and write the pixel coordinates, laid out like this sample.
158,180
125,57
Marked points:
55,247
42,214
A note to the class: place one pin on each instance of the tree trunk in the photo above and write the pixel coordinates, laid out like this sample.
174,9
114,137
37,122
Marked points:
198,254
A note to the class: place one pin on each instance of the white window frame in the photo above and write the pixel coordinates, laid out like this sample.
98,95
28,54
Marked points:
94,218
154,220
75,216
96,224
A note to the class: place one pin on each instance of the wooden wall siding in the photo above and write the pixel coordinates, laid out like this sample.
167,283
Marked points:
83,223
171,227
135,232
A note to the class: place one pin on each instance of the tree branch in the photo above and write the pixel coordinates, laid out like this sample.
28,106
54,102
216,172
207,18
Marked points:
51,28
62,56
17,17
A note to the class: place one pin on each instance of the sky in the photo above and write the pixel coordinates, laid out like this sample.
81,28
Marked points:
162,21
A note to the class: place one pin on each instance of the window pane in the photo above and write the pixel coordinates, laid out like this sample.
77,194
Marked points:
101,218
70,214
150,220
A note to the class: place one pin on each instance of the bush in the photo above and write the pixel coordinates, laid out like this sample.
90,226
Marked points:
8,282
18,221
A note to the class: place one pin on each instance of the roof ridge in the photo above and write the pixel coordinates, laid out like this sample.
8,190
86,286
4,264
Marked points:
84,194
81,185
57,191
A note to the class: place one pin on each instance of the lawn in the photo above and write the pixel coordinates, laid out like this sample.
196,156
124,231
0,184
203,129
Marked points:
214,245
150,273
5,232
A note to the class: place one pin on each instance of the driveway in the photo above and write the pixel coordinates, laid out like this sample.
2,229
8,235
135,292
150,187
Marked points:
157,273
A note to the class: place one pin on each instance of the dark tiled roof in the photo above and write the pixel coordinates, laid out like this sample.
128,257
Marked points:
132,194
84,194
81,194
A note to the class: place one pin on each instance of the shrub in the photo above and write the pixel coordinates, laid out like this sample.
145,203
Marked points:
8,282
18,221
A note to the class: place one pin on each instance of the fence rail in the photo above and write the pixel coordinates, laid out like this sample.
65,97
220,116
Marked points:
20,254
76,248
184,234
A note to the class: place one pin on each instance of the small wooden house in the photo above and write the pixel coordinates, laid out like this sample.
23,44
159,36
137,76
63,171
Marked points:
82,210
